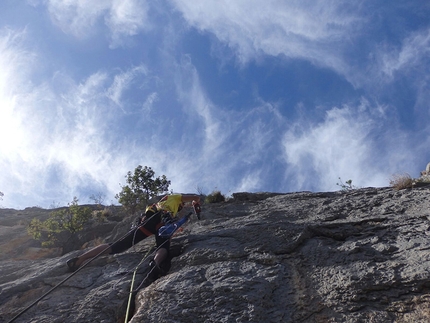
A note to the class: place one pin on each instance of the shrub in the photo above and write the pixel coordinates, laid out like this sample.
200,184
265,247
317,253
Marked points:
62,226
215,197
102,215
401,181
347,186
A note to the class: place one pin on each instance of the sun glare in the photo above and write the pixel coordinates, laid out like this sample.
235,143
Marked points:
13,67
10,127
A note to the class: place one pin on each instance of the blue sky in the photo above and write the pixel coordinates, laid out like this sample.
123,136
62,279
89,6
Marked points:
241,95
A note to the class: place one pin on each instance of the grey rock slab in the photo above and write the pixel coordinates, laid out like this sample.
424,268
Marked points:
347,256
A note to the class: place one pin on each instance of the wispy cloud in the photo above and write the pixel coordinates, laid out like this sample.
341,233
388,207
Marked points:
233,149
16,144
76,121
14,59
58,134
149,102
414,49
127,18
345,144
204,134
121,82
197,104
86,143
330,34
86,18
294,29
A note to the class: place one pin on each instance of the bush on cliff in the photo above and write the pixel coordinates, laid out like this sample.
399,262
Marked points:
62,226
215,197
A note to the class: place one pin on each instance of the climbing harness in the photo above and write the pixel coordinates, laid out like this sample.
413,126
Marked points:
166,231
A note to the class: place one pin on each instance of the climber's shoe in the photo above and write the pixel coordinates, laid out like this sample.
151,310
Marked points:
71,263
154,272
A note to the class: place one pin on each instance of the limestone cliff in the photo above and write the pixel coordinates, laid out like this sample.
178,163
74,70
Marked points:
348,256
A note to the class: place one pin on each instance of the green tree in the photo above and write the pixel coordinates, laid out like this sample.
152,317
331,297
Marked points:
35,229
62,226
141,186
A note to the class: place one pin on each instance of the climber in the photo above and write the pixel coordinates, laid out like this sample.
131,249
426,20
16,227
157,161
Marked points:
155,217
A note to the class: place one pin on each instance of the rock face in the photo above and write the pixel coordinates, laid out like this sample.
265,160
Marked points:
348,256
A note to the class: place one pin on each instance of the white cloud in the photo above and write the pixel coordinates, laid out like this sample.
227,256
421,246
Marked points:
249,182
202,144
77,17
127,18
313,30
83,18
409,62
55,144
330,34
409,57
66,134
11,55
149,102
343,145
122,81
17,162
196,103
225,150
82,143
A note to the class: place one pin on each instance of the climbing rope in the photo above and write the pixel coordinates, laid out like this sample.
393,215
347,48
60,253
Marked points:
173,229
77,270
196,211
130,296
132,291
